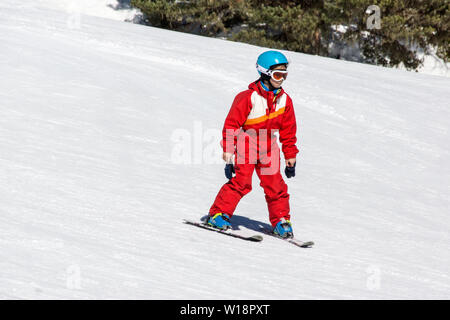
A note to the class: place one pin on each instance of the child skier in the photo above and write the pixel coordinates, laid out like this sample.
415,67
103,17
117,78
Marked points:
248,137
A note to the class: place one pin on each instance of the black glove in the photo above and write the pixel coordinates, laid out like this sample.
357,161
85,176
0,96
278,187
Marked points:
229,170
290,171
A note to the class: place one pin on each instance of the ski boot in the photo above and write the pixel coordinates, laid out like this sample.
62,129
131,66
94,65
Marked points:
219,221
283,229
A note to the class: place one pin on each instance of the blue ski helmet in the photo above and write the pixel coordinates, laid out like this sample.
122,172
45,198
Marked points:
269,59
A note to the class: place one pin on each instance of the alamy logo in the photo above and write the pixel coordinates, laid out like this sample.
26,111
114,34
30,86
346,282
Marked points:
374,278
374,19
73,279
74,18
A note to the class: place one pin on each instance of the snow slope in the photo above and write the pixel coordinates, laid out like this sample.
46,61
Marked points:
93,193
111,9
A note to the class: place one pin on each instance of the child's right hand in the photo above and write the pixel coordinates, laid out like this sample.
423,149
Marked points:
227,157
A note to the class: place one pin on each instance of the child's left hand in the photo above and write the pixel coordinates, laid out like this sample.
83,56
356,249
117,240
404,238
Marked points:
290,168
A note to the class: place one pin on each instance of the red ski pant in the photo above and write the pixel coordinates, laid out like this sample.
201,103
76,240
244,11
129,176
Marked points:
275,188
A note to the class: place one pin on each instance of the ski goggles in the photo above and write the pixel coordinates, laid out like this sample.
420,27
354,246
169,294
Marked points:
276,75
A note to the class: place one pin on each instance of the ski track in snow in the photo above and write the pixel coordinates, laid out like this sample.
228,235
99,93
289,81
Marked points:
92,207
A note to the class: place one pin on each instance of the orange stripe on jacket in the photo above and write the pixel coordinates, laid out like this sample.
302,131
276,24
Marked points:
264,118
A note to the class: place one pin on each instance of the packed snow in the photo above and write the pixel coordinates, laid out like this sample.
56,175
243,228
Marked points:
109,138
110,9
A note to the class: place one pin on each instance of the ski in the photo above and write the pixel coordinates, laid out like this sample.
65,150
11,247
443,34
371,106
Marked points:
229,232
298,243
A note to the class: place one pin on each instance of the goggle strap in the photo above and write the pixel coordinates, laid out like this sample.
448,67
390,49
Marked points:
262,69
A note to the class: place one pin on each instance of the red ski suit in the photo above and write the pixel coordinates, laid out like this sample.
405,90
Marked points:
248,132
